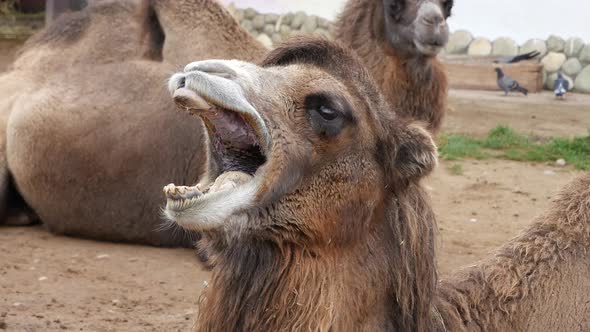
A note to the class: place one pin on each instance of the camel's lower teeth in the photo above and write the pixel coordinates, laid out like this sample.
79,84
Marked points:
225,181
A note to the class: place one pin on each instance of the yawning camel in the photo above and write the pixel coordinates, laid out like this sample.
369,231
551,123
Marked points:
318,220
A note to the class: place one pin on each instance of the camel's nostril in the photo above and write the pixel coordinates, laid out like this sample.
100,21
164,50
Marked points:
182,83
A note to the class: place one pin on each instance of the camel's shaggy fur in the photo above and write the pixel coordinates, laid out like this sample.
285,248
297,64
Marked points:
281,267
87,138
339,234
538,281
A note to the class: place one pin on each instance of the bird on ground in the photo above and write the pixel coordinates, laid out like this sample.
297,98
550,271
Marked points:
518,58
507,84
560,86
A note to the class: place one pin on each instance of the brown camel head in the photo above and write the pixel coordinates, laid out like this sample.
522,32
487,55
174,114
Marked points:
305,148
417,26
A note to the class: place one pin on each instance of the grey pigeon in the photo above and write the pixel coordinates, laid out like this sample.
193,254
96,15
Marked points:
507,84
560,86
518,58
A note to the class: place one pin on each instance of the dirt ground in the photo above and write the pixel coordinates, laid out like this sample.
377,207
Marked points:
477,112
54,283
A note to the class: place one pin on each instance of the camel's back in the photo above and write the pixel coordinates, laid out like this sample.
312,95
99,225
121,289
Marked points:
199,30
539,281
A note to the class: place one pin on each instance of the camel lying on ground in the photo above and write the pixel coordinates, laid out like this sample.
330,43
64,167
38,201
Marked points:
89,134
89,130
318,219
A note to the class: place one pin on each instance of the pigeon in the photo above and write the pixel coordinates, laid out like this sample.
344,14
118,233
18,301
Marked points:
507,84
560,86
518,58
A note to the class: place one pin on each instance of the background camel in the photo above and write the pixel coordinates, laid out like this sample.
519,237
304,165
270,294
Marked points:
78,144
86,148
398,41
332,230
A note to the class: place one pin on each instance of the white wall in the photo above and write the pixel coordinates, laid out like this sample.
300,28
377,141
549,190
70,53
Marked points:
519,19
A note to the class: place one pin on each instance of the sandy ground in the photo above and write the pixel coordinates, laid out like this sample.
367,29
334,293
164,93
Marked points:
53,283
476,112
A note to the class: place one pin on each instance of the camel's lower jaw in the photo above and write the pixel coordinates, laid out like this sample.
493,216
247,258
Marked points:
428,49
207,207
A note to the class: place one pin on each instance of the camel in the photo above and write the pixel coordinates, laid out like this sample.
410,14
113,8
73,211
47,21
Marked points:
83,153
77,144
398,41
318,219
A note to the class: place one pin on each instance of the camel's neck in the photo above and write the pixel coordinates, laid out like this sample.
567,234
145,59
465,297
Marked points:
385,282
259,287
415,85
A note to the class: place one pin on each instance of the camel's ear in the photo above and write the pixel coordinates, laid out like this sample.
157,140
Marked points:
409,153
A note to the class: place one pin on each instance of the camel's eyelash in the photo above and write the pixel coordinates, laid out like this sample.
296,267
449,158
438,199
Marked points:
329,100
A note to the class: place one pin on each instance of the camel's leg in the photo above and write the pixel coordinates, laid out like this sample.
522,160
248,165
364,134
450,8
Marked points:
21,218
13,209
4,185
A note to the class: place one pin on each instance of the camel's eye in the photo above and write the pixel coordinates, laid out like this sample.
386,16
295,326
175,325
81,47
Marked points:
396,9
448,7
327,113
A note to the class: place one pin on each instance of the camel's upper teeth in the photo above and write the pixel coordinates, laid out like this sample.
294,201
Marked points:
181,192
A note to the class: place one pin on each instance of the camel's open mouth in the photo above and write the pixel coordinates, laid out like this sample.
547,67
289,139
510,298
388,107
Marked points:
237,146
215,90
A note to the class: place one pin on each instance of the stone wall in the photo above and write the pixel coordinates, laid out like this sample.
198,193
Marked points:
571,56
272,29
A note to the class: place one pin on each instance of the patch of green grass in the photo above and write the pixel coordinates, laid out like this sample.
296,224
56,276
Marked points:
502,137
503,142
456,169
456,147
